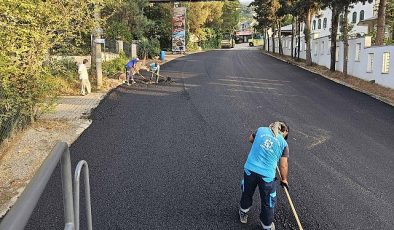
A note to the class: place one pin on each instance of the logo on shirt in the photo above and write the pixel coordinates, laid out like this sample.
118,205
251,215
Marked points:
267,144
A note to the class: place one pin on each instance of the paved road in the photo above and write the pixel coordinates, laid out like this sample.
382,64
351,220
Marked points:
171,157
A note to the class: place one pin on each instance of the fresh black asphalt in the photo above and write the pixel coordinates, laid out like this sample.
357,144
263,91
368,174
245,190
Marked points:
171,156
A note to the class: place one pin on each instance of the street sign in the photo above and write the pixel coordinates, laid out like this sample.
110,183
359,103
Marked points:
99,40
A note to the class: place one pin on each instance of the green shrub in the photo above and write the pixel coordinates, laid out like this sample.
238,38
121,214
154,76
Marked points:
64,75
192,46
212,39
149,48
66,68
110,68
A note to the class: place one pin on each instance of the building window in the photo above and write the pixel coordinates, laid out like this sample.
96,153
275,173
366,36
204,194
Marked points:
319,24
324,23
322,48
337,54
370,62
316,48
358,52
361,15
370,1
386,62
354,20
314,25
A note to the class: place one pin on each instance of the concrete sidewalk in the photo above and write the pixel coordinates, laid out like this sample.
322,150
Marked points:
74,107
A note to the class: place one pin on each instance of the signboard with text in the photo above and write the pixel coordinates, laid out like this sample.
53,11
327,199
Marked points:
178,30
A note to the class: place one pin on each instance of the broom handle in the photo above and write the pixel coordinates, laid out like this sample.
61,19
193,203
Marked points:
290,202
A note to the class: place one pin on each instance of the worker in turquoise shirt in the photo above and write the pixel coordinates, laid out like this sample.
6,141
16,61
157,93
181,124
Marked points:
269,147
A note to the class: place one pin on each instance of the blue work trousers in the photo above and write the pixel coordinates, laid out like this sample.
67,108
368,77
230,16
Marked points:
267,194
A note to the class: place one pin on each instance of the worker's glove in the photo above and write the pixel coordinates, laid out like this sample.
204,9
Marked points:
284,185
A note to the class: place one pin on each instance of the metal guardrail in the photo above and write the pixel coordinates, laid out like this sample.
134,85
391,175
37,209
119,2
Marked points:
77,176
19,215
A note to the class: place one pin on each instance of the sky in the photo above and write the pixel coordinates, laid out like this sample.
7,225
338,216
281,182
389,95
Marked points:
246,1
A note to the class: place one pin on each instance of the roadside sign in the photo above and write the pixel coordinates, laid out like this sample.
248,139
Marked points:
99,40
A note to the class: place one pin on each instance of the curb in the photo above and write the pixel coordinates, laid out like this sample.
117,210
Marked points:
382,99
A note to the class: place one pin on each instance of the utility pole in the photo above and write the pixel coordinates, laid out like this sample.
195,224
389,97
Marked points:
96,49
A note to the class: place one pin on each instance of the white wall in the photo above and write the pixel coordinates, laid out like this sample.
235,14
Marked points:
357,68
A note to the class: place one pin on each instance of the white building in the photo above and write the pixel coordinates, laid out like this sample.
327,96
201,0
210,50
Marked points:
359,14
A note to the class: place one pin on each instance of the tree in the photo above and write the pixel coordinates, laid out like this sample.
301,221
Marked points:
288,12
197,14
161,16
230,16
390,17
215,15
337,7
308,8
126,20
281,8
207,21
345,28
28,31
265,16
381,23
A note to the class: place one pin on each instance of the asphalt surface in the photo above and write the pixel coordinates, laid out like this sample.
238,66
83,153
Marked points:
171,156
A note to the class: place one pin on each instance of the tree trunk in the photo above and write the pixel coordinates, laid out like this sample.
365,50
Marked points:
273,38
345,40
334,32
308,37
268,40
292,37
381,23
280,37
299,39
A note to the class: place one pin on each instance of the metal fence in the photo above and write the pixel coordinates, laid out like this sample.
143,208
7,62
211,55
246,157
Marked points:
18,216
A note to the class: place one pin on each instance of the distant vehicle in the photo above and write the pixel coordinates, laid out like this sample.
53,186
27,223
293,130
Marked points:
256,40
227,41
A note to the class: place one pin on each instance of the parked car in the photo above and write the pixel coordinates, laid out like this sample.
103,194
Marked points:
227,41
256,40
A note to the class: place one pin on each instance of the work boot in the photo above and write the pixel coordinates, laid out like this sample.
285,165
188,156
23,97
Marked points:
272,227
243,217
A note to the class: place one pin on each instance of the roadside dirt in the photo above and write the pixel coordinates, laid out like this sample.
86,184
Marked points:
382,93
22,154
25,152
